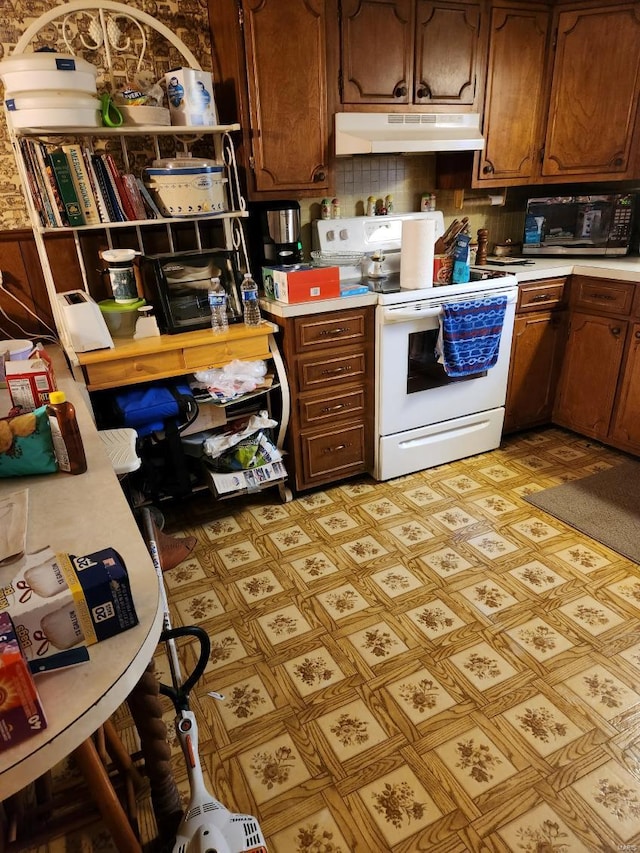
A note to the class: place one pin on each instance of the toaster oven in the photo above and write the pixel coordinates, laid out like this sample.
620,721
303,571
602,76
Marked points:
177,285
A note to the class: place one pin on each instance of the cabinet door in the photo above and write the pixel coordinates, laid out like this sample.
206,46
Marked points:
446,52
514,94
590,374
594,94
625,431
286,77
536,357
377,51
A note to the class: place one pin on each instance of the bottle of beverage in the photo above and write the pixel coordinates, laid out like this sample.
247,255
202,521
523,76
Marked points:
250,306
65,433
218,306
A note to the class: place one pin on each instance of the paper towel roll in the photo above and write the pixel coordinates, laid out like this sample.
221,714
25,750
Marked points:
416,253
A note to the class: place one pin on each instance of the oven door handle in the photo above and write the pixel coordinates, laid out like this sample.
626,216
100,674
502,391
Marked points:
401,315
419,311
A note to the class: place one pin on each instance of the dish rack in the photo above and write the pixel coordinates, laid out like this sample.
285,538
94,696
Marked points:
336,259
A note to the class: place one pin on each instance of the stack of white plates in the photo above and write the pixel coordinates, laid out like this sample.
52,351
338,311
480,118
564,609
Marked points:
50,90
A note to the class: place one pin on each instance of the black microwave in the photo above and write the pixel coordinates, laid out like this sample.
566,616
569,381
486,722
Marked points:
580,225
177,285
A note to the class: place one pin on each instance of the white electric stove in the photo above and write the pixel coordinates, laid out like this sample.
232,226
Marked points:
424,418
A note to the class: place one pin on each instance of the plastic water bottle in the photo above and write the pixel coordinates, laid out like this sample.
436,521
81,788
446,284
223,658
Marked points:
250,306
65,434
218,306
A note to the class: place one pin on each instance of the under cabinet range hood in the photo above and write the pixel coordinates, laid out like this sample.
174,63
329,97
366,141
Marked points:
397,133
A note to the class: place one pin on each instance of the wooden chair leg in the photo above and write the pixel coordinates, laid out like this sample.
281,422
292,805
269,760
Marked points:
105,797
120,756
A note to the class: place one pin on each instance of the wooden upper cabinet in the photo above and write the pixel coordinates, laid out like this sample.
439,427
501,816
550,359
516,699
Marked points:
518,37
286,79
446,59
409,52
594,93
377,51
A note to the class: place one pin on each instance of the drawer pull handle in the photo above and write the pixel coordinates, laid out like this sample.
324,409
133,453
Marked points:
615,331
638,335
336,370
541,297
139,367
336,448
328,409
607,296
338,331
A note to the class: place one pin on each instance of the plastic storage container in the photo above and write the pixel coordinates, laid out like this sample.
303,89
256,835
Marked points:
187,186
121,318
35,72
65,433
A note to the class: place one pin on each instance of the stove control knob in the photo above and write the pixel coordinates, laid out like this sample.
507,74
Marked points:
344,234
331,236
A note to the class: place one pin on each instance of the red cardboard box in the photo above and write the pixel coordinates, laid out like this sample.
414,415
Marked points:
301,283
21,714
29,382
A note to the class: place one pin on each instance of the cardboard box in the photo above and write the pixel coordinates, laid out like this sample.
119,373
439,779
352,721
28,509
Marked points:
21,714
58,601
300,283
29,382
190,96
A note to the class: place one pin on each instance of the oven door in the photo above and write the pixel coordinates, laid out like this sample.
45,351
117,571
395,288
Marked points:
413,388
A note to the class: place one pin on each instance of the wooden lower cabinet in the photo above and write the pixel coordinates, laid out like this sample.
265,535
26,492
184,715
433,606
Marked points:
625,427
537,348
329,358
599,390
590,374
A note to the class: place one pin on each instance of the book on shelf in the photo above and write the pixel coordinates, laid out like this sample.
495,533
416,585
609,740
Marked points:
133,192
82,184
118,187
49,185
34,184
66,189
114,210
103,210
152,209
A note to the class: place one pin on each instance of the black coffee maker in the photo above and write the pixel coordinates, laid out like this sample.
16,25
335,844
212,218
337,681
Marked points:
274,234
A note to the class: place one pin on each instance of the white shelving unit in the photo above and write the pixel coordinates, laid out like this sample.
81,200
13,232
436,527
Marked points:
119,41
116,38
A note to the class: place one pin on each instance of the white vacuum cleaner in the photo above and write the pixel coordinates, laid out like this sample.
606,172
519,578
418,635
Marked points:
207,826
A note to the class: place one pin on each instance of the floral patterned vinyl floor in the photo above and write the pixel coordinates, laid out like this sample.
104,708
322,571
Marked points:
428,664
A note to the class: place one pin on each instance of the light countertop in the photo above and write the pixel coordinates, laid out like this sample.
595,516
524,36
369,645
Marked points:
622,269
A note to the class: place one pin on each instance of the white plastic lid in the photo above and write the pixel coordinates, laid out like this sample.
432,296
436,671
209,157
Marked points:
119,256
184,161
45,60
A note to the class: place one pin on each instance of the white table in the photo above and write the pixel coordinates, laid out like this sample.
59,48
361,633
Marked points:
82,514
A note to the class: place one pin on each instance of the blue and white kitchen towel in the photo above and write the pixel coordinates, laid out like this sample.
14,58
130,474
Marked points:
469,337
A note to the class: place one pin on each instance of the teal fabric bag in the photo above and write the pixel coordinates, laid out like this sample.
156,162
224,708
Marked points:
26,446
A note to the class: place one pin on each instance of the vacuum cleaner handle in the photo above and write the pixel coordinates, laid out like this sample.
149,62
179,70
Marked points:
179,694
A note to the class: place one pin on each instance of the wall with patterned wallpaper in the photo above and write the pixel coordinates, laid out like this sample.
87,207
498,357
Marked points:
187,18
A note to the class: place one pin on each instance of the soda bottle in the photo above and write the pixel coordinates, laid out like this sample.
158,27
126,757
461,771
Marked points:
65,433
250,306
218,306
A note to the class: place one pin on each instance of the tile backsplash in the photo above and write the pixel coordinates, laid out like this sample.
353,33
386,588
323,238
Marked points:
406,178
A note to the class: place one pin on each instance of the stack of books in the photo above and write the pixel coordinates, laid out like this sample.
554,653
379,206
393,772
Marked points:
72,186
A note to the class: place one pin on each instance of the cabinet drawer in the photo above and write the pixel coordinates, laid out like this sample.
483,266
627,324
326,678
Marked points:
217,354
335,368
334,454
541,295
125,371
321,331
318,411
602,296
